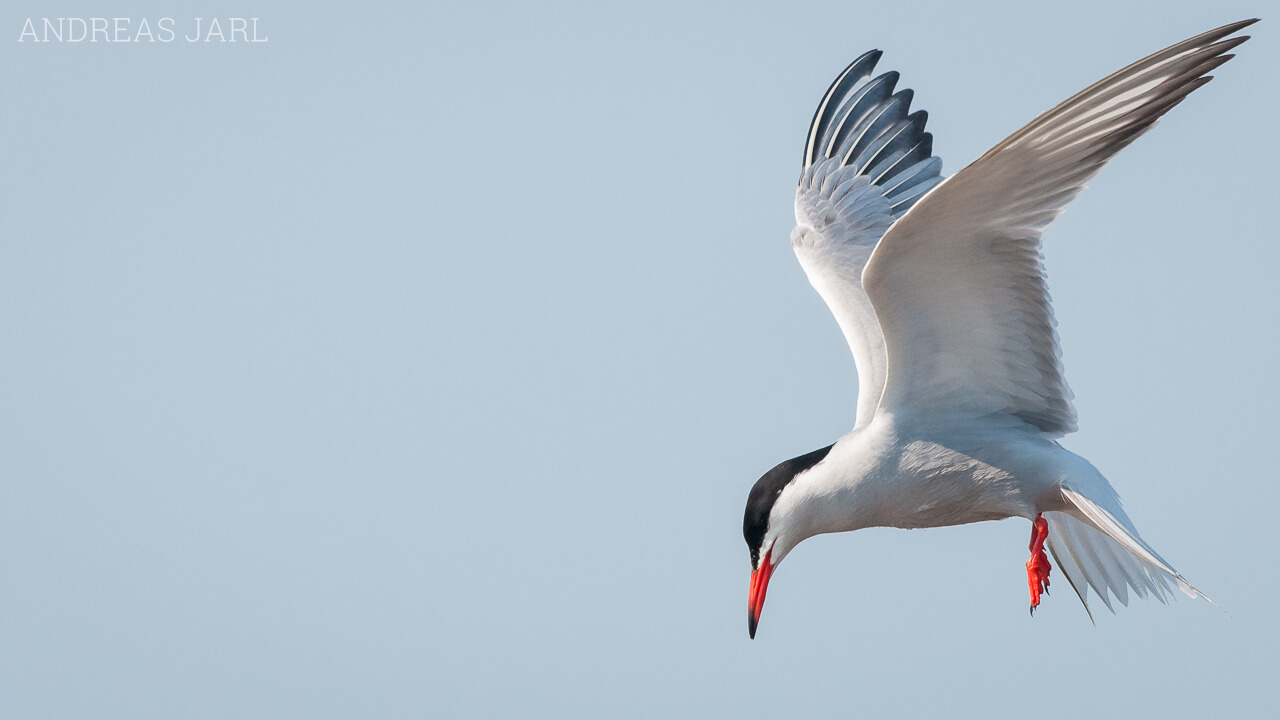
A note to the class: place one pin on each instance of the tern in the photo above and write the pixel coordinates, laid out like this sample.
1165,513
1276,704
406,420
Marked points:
938,285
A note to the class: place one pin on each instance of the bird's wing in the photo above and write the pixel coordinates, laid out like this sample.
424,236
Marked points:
867,160
958,283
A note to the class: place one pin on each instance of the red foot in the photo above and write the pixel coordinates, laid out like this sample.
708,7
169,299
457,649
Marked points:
1038,566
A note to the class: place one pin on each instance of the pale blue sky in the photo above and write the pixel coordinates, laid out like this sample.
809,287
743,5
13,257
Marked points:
417,363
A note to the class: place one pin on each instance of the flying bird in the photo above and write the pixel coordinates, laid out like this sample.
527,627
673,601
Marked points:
938,285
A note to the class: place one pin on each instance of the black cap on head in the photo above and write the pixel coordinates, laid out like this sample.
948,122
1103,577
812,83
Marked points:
765,493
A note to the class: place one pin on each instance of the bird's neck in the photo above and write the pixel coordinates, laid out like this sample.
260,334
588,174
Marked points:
839,494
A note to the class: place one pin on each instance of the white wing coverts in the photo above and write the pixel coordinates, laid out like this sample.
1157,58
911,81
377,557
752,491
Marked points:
866,162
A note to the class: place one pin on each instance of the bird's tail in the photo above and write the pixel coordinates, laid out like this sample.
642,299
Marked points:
1099,547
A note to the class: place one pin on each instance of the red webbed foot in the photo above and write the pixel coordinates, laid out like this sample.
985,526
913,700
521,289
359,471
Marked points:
1038,566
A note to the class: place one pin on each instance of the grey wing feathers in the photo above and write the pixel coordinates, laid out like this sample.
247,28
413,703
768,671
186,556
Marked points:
958,283
867,159
1114,111
863,125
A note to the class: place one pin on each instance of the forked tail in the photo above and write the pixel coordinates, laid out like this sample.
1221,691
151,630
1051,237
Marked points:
1099,548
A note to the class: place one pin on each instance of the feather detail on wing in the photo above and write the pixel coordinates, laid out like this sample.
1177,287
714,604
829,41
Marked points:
958,283
866,161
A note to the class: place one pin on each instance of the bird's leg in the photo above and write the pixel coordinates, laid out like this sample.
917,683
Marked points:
1038,566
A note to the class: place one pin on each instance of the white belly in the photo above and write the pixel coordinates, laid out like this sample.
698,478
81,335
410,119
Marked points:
984,474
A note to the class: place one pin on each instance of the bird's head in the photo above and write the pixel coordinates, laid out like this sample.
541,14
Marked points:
771,531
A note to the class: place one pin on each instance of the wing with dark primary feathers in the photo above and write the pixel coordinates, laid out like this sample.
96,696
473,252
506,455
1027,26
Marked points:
867,160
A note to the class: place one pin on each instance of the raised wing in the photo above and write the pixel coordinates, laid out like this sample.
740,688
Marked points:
865,163
958,283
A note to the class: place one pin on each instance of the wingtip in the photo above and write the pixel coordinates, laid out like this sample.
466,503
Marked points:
1229,29
865,63
861,68
1234,27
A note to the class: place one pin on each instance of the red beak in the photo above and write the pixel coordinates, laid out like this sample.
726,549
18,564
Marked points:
755,598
